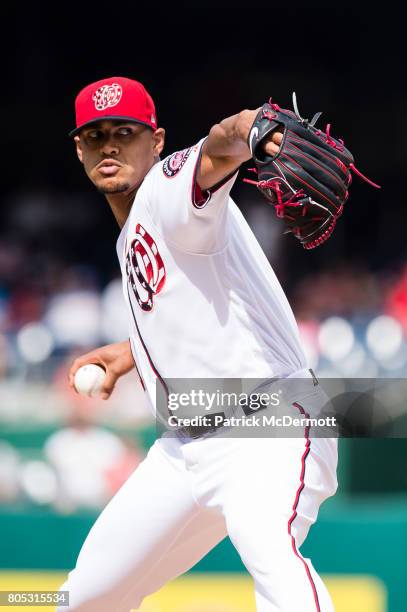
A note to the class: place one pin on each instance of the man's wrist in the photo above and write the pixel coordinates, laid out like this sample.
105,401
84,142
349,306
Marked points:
245,120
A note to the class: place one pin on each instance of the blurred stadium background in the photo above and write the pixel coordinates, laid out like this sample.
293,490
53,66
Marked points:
62,457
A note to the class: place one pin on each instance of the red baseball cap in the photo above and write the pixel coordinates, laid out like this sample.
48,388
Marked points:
114,98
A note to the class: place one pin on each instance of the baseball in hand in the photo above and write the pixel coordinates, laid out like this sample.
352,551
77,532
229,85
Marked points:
89,379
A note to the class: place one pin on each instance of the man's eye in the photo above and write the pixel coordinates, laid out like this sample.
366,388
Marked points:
125,131
94,135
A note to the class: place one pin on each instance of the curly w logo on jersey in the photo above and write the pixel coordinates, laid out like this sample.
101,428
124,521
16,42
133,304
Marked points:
145,268
107,95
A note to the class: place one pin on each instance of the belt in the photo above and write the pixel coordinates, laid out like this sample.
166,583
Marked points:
196,431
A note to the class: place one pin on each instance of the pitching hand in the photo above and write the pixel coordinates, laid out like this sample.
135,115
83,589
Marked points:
115,359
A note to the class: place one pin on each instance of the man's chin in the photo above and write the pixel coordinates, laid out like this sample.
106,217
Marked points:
112,186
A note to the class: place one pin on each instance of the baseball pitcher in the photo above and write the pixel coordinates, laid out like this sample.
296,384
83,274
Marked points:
204,302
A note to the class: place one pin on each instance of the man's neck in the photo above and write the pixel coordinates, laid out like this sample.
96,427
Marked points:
121,204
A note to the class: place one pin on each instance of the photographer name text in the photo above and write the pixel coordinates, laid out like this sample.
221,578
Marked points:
251,421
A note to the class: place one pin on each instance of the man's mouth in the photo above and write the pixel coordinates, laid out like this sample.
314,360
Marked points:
108,167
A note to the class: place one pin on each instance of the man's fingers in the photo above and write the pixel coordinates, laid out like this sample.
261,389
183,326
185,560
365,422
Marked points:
277,137
272,146
71,374
108,385
74,368
78,363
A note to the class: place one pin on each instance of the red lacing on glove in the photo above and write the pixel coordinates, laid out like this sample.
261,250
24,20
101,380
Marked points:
362,176
268,115
274,106
327,138
323,238
274,185
294,200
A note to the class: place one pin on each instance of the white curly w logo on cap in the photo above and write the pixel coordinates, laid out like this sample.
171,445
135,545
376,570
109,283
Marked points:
107,95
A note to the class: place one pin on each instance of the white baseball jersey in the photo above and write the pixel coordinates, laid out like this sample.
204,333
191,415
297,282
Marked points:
203,298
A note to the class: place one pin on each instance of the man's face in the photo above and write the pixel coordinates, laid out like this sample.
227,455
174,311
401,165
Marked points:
117,155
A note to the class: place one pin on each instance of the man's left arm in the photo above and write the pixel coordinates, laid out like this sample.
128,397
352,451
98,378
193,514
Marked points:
226,148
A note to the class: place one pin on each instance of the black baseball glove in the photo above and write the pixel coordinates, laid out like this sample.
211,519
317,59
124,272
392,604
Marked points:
307,181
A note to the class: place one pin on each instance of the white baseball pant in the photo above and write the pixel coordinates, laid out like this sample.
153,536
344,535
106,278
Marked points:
186,496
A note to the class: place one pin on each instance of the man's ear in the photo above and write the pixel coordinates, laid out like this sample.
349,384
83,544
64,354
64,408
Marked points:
158,141
78,148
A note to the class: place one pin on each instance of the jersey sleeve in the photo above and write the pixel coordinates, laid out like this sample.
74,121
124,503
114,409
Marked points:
191,219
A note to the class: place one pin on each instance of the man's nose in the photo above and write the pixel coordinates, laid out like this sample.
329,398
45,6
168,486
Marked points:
110,147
